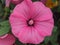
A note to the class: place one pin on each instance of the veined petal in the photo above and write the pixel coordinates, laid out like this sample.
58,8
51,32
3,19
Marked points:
30,35
7,3
9,40
16,1
42,12
45,27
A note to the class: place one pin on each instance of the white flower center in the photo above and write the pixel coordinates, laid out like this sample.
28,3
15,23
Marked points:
31,22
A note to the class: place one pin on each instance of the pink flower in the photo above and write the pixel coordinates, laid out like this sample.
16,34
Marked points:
43,1
16,1
7,3
8,39
31,22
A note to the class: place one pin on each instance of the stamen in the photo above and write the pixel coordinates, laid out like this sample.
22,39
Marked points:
30,22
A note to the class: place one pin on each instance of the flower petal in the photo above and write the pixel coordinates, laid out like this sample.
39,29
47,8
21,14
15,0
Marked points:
21,10
42,12
45,27
29,35
9,40
16,1
7,3
17,23
44,1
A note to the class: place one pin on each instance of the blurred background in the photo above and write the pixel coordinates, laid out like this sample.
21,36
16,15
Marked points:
54,5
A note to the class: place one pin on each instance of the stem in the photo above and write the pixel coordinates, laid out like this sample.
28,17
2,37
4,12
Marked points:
6,12
4,17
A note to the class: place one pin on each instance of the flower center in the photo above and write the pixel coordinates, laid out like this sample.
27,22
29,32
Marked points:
30,22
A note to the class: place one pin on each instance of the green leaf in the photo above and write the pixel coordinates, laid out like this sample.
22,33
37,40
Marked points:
7,9
53,37
54,43
47,39
0,8
18,42
58,9
3,1
55,29
54,0
4,27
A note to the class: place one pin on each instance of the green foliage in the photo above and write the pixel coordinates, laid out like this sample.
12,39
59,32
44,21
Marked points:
4,27
53,37
18,42
1,10
3,1
58,9
53,0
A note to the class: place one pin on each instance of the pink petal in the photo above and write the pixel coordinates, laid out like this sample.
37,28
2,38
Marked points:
21,10
43,1
9,40
16,1
42,12
4,36
17,24
7,3
45,27
30,35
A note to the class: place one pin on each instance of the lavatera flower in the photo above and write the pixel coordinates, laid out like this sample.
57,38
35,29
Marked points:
16,1
7,2
7,39
31,22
